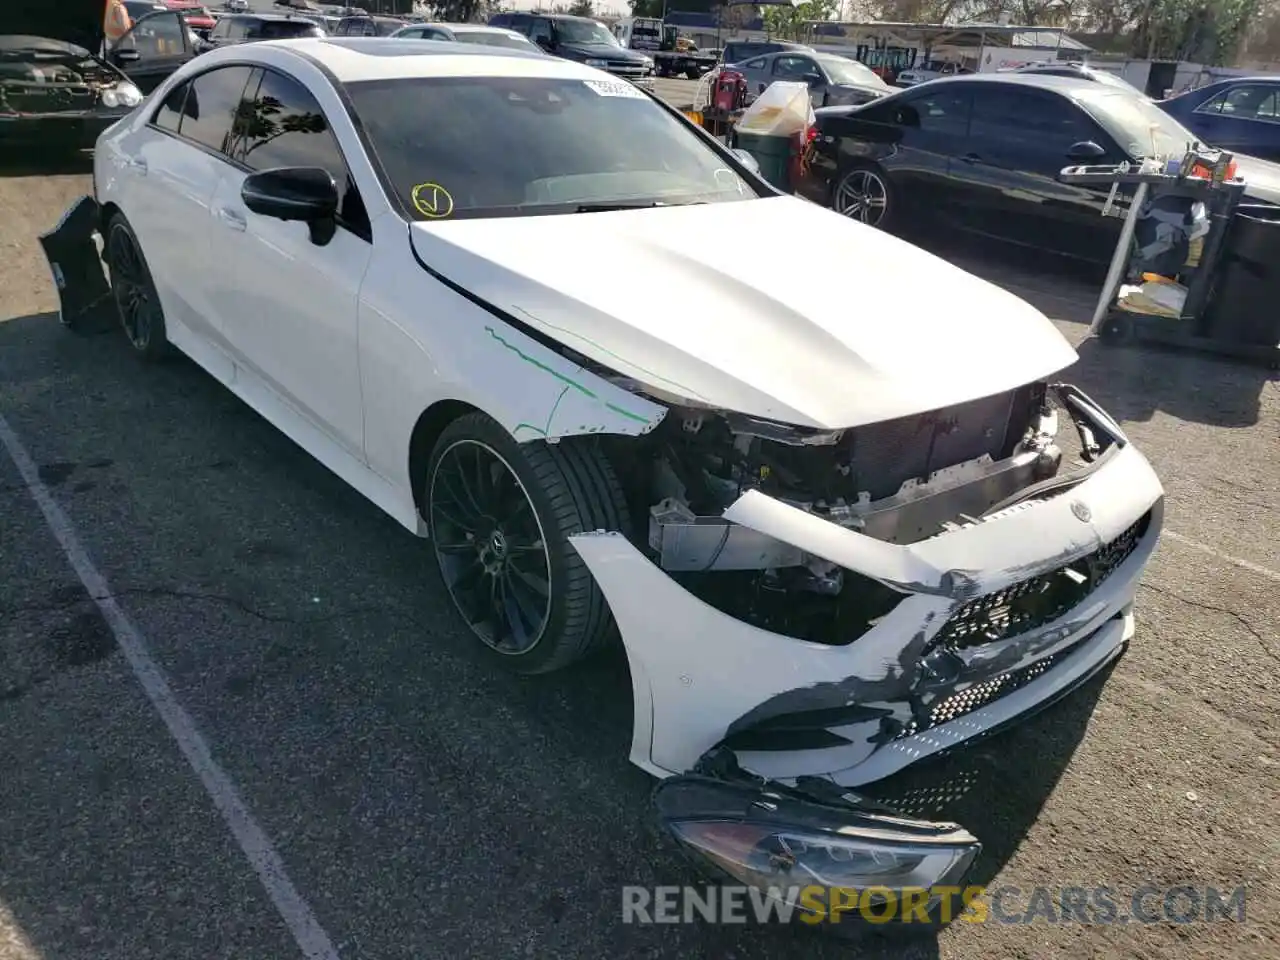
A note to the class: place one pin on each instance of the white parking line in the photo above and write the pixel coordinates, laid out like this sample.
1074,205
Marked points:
1257,568
253,840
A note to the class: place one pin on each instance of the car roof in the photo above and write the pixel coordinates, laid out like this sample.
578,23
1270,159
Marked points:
352,59
267,15
1043,81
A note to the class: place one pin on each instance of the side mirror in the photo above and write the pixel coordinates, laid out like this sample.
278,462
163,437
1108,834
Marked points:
813,79
747,159
1086,150
546,43
126,56
308,194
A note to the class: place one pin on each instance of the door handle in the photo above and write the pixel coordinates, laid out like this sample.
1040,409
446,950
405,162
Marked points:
136,164
971,158
232,218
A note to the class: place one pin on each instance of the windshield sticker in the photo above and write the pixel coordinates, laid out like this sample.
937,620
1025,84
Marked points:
432,201
614,88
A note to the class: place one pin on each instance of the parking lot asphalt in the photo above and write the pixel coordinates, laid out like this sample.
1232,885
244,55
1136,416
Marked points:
426,806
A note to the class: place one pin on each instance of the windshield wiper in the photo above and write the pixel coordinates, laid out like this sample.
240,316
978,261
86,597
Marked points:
618,205
631,205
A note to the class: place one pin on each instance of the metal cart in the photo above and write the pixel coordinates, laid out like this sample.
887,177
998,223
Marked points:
1114,324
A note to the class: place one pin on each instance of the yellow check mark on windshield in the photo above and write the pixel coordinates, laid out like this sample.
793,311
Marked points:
432,200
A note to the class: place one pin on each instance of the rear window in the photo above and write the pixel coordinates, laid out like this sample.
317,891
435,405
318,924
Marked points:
550,145
286,29
512,41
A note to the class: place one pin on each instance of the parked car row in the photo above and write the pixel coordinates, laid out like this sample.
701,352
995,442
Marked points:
982,153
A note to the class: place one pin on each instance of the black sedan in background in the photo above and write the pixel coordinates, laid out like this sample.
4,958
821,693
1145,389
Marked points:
983,152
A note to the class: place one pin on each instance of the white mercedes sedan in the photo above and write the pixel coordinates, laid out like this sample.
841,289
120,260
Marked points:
627,390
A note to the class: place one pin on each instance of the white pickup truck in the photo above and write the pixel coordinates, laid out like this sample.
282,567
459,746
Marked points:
929,70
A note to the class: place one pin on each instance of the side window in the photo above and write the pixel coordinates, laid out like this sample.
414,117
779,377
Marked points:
212,106
501,20
541,30
220,29
1028,121
285,127
343,29
521,22
759,63
943,112
156,35
168,115
1244,102
790,65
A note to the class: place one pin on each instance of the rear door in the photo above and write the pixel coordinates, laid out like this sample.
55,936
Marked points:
1244,118
927,129
156,46
176,162
1006,175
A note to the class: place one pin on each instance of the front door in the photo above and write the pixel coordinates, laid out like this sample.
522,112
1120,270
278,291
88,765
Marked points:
156,46
1019,141
290,313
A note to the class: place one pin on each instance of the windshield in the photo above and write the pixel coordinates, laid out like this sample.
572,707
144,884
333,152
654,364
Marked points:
512,41
583,31
506,146
849,71
1140,127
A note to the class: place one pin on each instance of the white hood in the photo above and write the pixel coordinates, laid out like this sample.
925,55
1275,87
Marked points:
776,307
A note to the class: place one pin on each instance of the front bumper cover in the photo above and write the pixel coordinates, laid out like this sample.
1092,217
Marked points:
860,712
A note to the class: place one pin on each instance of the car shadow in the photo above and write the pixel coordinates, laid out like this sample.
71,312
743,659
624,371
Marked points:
573,728
1133,382
43,161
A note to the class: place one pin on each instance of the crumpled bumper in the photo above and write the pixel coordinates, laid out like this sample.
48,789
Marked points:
912,685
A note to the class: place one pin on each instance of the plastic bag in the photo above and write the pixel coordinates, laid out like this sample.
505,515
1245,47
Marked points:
783,110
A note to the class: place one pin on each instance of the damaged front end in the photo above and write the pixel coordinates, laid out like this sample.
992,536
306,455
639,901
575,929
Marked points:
54,92
829,608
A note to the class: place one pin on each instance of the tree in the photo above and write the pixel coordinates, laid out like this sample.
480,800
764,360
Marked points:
582,8
789,21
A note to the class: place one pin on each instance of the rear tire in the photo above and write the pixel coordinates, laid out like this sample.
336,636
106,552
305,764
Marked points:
138,303
865,193
500,514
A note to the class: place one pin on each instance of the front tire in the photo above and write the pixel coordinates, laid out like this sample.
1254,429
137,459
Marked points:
500,514
141,316
865,193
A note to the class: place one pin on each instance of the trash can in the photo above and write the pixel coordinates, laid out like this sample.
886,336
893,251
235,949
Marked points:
1242,307
772,152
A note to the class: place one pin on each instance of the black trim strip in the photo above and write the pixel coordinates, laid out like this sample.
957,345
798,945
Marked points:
531,332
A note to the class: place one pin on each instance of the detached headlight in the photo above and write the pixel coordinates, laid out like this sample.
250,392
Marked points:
828,856
598,63
123,94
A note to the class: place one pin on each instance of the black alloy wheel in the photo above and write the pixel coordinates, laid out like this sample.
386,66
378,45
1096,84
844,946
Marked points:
500,515
141,316
491,547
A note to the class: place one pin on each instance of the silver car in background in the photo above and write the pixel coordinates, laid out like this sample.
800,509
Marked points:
833,80
470,33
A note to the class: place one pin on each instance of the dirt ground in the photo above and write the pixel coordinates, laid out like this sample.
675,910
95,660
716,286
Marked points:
427,807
